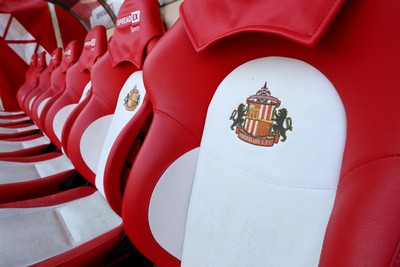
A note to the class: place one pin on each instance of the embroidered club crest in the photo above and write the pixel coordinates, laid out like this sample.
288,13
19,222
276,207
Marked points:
259,122
132,99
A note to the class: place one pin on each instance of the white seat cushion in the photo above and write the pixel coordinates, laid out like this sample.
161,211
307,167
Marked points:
12,172
11,146
30,235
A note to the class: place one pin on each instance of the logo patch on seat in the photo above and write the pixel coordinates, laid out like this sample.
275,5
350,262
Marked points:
130,20
259,122
132,99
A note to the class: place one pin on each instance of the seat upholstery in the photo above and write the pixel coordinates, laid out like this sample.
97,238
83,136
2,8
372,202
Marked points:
36,143
43,82
29,98
225,178
31,81
83,226
30,180
57,84
77,86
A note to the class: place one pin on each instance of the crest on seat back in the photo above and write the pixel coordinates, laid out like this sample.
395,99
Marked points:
259,122
132,99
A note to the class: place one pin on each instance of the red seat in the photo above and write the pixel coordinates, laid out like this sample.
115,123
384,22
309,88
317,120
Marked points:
36,66
77,227
263,149
38,175
26,129
78,85
37,143
47,98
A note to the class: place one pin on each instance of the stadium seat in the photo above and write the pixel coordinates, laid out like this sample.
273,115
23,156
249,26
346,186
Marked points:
262,150
37,175
77,227
26,129
36,66
36,143
45,100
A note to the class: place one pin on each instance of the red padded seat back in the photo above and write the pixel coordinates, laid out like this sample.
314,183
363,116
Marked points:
29,76
57,84
77,78
44,80
33,82
58,77
109,74
262,150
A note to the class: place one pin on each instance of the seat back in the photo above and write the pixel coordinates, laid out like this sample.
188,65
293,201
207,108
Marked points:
44,80
114,81
77,85
260,151
57,84
40,66
29,76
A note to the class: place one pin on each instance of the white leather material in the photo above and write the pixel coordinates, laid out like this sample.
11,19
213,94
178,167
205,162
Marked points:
13,172
251,204
43,140
13,120
45,232
11,146
168,206
42,105
11,113
92,141
62,115
60,118
119,120
31,102
4,130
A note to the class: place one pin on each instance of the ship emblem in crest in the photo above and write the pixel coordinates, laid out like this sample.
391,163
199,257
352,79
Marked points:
132,99
259,122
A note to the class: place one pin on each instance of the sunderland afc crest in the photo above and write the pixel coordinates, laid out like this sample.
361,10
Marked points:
259,121
132,99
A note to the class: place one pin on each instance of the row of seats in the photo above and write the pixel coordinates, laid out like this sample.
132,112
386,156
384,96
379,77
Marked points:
244,135
63,166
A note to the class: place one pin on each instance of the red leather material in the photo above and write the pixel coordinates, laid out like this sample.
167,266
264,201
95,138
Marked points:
75,83
363,229
33,82
94,46
29,76
152,163
6,136
76,80
303,21
44,80
71,55
57,83
33,189
138,22
91,253
358,54
24,152
51,200
102,102
6,124
120,150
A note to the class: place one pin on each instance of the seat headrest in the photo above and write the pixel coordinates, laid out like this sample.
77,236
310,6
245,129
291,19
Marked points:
55,59
41,60
138,22
95,46
34,60
302,21
71,55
